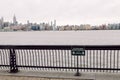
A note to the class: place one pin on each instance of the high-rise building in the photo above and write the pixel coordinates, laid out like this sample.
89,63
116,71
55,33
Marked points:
28,22
1,22
14,20
54,25
51,24
2,19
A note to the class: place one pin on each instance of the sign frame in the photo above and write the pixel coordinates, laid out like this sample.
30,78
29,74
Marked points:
78,51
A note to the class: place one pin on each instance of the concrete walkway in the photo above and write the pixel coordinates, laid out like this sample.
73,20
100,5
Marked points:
42,75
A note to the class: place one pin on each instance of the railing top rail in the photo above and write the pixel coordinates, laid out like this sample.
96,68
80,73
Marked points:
64,47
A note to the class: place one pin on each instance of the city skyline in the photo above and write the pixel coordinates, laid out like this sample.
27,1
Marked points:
64,11
15,20
14,25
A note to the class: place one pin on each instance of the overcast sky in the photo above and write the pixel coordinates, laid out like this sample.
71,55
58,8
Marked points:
64,11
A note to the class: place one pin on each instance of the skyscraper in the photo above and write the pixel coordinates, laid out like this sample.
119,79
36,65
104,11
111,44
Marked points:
28,23
14,20
1,23
2,19
54,25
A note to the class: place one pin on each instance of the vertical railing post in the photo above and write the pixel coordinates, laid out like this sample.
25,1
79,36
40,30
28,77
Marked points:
13,65
77,73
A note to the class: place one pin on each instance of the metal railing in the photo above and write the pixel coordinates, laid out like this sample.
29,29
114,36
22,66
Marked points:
59,58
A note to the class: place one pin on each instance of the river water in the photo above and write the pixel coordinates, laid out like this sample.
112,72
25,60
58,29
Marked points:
98,37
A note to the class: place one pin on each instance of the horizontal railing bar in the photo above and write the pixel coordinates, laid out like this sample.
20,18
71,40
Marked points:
69,67
62,47
4,65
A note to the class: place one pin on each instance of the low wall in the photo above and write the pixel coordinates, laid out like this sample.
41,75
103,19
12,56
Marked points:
42,75
27,78
37,75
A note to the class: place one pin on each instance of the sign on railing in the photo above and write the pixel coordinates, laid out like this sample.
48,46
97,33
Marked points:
78,51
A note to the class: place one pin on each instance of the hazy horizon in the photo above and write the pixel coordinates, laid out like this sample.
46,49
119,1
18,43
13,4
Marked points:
77,12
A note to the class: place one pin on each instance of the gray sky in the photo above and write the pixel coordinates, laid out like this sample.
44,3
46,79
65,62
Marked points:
64,11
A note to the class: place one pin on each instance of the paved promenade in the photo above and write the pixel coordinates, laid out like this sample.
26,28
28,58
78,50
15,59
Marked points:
31,75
